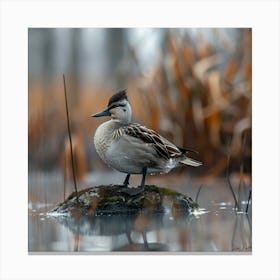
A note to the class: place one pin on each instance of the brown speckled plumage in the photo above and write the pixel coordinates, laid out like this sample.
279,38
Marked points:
133,148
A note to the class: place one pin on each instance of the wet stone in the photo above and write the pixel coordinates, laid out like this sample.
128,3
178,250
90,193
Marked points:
120,199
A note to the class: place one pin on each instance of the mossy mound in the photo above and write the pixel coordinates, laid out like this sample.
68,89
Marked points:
120,199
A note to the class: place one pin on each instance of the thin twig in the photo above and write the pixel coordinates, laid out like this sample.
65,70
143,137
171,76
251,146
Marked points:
69,134
198,192
239,187
233,194
228,180
64,178
248,201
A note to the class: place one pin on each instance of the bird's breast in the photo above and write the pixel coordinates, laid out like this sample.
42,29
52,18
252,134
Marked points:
104,138
101,139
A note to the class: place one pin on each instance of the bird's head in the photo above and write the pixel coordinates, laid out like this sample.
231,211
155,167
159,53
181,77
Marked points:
118,108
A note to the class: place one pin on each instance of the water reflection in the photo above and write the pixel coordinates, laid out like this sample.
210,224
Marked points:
213,231
217,228
241,240
127,232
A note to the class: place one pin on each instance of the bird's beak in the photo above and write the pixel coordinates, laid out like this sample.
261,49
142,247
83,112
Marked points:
102,114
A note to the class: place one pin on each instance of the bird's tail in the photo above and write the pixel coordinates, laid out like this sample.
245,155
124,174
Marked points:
190,161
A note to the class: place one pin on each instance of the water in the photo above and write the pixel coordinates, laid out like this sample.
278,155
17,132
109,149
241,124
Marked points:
215,227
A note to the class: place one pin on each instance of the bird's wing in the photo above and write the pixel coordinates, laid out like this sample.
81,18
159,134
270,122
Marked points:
163,147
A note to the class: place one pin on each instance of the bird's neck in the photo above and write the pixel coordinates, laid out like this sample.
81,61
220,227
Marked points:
122,121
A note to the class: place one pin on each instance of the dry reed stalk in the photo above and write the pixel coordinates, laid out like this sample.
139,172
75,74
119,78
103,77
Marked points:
70,139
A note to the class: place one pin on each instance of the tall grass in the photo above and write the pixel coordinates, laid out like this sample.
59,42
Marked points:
198,96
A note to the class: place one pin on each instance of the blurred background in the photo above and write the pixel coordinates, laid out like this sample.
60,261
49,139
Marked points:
191,85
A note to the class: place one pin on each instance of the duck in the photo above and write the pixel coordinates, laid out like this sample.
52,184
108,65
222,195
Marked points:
133,148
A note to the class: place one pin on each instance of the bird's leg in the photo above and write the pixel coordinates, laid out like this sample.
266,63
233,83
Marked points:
131,191
144,177
126,181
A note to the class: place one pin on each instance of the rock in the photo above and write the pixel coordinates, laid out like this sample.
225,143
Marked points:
120,199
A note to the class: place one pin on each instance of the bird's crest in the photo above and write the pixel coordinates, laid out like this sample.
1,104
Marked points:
117,97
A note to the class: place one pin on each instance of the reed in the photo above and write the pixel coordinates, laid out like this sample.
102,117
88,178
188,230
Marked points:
197,96
70,139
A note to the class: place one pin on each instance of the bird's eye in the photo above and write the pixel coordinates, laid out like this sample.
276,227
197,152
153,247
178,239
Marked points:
124,110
